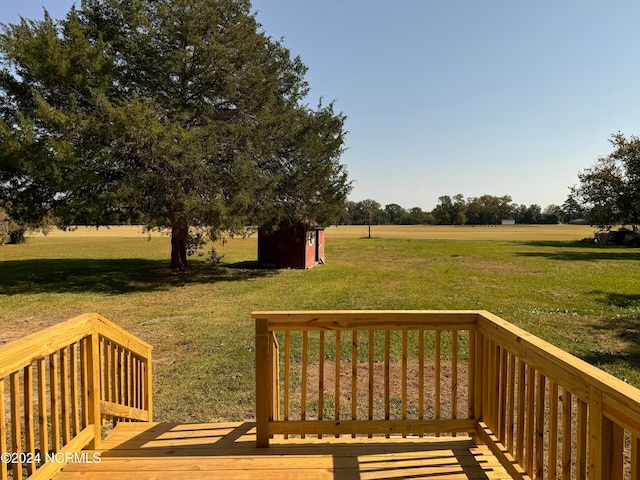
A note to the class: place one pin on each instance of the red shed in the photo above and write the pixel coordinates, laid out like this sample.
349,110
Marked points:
291,246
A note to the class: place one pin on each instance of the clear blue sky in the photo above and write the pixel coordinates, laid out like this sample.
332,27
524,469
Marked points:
496,97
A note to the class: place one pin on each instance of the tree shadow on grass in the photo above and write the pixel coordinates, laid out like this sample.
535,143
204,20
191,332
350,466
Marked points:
114,277
625,327
580,251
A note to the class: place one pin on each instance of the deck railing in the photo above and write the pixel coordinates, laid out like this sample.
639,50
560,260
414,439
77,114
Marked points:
544,413
58,386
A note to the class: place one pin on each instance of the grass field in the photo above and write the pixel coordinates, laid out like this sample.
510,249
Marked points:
583,297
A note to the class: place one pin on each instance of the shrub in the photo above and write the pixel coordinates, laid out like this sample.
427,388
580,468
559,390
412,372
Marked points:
11,232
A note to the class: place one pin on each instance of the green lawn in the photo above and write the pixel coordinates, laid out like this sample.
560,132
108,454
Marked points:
582,297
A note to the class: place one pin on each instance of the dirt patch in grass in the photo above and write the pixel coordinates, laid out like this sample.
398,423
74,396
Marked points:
438,401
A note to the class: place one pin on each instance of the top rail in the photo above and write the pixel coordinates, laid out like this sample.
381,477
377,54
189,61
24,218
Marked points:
366,319
20,353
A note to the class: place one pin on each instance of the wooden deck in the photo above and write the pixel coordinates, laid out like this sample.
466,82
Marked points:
228,451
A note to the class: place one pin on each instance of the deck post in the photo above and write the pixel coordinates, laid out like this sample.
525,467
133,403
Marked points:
93,385
263,380
635,457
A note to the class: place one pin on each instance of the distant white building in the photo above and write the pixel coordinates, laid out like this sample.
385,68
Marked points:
508,221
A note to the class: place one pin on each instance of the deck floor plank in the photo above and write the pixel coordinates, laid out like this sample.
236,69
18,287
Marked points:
158,451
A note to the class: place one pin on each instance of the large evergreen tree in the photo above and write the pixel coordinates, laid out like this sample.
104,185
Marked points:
172,113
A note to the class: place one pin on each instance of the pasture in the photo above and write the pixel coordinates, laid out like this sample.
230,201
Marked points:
582,297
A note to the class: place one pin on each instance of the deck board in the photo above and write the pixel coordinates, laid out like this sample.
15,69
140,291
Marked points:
159,451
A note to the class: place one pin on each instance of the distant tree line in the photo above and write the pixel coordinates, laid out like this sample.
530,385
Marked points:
607,196
458,210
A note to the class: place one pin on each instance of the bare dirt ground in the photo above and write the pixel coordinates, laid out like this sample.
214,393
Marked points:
450,393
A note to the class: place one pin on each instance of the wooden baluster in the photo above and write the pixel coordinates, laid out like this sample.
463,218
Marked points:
303,400
553,430
502,395
64,394
287,374
128,379
337,376
421,377
274,360
437,378
134,381
122,373
354,376
404,377
43,420
16,431
567,415
113,381
148,386
85,361
29,421
387,375
75,397
321,378
472,372
371,368
105,371
454,376
539,429
520,431
511,405
484,384
139,382
4,474
530,419
54,391
495,388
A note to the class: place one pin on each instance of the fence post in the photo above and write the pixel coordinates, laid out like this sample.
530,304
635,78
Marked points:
93,385
263,380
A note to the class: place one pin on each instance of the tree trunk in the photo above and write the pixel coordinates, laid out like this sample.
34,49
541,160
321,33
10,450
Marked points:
179,236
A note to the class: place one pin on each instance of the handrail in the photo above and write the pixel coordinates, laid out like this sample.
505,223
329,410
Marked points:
554,412
356,344
543,412
62,383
